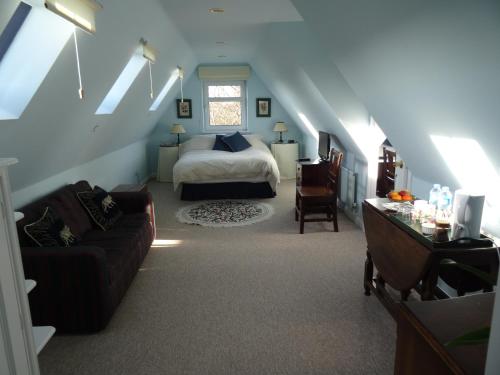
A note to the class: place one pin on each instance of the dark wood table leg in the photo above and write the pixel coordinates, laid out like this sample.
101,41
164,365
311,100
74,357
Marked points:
368,279
429,282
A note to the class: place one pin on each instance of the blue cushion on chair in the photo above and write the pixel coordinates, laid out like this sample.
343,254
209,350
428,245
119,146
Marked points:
219,145
236,142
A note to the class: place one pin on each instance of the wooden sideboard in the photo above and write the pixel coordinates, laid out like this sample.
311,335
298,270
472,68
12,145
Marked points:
406,259
425,327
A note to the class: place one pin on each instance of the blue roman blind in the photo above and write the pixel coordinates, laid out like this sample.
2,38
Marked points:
13,27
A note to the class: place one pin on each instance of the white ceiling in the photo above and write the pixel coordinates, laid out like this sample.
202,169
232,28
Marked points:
241,27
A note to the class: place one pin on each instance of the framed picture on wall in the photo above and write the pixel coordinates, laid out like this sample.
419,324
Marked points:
263,107
184,109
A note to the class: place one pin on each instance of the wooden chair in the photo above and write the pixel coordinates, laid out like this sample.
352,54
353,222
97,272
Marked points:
322,198
388,171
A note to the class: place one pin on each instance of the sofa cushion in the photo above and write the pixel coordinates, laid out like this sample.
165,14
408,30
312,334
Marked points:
50,231
125,244
236,142
100,206
65,204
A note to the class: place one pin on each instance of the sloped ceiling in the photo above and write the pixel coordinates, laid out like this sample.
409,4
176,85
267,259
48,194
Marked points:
306,81
58,131
421,68
240,27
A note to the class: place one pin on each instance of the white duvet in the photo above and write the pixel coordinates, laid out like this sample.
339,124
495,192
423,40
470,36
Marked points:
198,163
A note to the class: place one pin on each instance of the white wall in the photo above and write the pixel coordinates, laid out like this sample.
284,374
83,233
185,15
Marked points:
297,71
127,165
421,68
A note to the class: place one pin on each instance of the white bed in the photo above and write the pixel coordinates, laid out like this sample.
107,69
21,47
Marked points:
199,164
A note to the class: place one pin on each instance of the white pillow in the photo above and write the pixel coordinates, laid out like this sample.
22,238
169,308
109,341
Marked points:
207,141
198,142
251,136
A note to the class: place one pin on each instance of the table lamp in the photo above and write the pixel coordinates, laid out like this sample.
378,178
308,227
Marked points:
280,127
177,129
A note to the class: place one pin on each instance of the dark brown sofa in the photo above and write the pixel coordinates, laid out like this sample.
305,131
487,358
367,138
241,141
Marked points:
79,287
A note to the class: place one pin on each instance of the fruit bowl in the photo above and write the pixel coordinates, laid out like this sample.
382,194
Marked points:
400,196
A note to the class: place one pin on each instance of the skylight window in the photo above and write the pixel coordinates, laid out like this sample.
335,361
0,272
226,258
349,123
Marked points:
34,35
123,83
163,93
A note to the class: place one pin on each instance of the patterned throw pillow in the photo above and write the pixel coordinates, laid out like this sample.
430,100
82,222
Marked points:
50,231
101,207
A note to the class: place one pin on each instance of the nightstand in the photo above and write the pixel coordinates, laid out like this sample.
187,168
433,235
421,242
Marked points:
286,155
167,157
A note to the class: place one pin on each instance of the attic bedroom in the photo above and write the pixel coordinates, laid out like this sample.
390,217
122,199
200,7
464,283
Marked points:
249,187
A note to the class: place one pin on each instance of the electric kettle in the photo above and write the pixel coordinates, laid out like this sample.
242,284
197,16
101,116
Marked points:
467,214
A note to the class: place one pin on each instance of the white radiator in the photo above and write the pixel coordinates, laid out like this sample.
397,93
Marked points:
348,189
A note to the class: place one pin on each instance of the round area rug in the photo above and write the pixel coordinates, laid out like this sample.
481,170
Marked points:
225,213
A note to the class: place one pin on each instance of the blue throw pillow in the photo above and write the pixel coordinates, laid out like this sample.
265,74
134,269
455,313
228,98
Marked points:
236,142
220,145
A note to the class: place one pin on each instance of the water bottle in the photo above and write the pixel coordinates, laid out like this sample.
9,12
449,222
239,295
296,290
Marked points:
445,198
434,195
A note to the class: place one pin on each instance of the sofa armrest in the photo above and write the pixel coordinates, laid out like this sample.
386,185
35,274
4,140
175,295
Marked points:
132,202
68,280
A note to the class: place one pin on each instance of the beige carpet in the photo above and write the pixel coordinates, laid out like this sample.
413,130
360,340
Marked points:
258,299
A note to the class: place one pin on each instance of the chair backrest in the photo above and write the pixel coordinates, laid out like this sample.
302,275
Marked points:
388,170
333,178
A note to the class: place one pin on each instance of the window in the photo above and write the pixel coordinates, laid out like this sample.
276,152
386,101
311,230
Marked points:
33,34
165,90
225,106
122,84
142,55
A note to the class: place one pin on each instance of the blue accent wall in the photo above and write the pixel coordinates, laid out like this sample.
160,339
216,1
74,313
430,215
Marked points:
258,125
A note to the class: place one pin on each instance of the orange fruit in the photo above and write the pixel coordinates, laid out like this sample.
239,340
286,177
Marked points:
396,197
406,197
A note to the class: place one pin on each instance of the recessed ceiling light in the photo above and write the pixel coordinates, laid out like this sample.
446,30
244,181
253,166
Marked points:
216,10
221,56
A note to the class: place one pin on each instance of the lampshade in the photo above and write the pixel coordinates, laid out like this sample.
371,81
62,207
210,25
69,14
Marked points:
280,127
177,129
